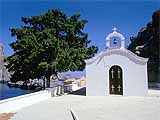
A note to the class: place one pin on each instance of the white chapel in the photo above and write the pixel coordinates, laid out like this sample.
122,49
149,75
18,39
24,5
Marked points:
116,70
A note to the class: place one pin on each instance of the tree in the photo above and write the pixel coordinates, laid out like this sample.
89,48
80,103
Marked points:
48,44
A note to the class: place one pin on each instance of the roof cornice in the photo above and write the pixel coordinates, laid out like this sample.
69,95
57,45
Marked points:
118,51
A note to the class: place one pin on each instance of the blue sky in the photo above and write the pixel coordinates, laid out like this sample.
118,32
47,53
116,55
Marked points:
102,16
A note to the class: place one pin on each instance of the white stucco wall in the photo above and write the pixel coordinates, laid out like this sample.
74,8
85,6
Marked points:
16,103
134,75
95,77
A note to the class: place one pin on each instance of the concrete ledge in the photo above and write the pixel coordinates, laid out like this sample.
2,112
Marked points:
16,103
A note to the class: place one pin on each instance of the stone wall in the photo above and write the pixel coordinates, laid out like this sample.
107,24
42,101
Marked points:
16,103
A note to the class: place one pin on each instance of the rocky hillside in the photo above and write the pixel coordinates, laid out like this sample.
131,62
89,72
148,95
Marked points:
4,74
147,44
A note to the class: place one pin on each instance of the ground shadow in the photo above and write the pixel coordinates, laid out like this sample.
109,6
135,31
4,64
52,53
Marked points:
81,91
150,88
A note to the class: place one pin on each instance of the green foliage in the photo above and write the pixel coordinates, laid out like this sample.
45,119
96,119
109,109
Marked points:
47,44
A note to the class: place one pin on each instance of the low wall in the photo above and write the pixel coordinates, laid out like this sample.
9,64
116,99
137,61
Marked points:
16,103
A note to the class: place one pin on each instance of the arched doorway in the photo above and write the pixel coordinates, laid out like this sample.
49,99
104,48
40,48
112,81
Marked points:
116,80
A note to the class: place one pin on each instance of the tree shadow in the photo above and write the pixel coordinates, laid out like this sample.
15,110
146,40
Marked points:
81,91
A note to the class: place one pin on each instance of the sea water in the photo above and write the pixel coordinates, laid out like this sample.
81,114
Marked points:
8,92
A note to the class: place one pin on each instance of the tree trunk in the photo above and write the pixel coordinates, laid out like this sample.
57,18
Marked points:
48,80
48,74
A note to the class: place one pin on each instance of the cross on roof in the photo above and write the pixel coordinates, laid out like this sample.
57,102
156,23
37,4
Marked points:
114,29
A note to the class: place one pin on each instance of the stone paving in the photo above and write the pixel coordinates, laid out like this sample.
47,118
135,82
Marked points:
94,108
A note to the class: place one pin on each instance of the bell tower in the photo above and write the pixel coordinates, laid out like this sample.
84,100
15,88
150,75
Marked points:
113,35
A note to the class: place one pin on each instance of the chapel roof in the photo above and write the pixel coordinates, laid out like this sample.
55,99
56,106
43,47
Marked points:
123,52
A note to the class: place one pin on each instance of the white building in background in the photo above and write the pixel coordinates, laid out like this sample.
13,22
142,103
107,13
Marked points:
116,70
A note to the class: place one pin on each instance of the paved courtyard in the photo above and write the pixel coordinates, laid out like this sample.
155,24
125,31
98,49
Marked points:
94,108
